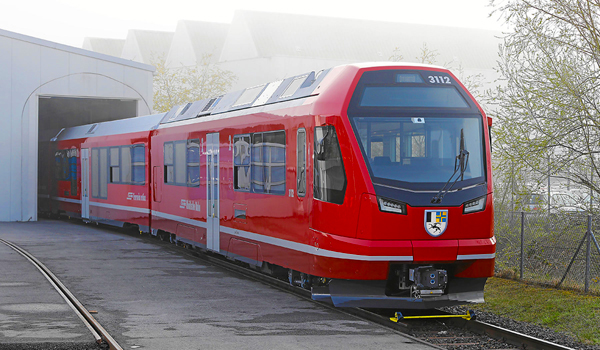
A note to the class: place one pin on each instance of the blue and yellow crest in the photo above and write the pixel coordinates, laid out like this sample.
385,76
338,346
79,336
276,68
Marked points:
436,222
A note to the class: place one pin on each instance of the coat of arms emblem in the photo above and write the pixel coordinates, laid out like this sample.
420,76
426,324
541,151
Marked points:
436,222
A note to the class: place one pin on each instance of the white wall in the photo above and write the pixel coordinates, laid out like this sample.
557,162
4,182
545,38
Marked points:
31,67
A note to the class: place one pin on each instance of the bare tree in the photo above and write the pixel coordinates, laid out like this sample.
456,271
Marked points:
175,86
473,83
547,110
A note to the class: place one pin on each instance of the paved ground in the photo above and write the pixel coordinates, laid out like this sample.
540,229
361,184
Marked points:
30,308
149,297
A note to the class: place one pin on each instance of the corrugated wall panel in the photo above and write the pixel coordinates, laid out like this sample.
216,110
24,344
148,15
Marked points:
26,74
5,125
29,170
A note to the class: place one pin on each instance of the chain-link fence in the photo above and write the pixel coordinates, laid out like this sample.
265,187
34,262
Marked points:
555,249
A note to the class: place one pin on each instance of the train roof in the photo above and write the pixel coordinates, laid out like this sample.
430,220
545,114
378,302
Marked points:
114,127
290,89
285,92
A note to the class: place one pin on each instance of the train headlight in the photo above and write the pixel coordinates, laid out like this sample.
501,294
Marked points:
474,205
391,206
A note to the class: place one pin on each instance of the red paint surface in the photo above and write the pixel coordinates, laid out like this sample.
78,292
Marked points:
355,227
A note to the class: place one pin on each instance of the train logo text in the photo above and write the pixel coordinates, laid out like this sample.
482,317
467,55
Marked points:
136,197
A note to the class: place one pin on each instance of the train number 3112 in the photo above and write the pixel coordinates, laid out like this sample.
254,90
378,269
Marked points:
438,79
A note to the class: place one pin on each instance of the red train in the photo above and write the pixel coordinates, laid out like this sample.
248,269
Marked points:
370,184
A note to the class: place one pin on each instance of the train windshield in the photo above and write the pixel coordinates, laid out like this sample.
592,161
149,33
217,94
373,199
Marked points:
421,150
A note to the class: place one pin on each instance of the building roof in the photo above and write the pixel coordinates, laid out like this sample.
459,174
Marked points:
74,50
111,47
146,46
263,34
193,40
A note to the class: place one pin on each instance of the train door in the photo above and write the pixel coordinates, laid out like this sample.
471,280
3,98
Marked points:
157,180
85,183
212,192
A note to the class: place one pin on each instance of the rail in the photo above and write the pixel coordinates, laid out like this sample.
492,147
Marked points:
504,335
99,333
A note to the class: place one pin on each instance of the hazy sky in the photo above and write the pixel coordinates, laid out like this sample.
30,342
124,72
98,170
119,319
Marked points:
70,21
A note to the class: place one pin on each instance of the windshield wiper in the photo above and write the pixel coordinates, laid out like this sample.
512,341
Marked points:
460,163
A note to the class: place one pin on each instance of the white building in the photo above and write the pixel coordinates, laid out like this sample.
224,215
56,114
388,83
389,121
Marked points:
146,46
44,86
260,47
194,41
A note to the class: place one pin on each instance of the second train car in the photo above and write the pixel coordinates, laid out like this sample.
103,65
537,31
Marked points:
369,184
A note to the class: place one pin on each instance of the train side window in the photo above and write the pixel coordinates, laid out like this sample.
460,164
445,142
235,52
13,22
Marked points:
193,162
57,166
301,162
73,171
115,169
241,162
180,162
256,168
169,175
138,164
103,173
268,162
126,164
61,162
329,182
95,172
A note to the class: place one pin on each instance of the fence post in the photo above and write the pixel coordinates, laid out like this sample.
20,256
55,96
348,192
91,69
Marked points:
588,249
522,242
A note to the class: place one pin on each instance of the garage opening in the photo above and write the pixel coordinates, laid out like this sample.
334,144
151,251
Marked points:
64,112
55,113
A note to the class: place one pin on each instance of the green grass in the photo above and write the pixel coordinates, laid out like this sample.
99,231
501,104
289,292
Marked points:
560,310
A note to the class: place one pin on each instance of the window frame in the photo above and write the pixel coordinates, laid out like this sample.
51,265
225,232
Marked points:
62,172
121,165
137,164
246,166
325,193
186,164
301,149
112,167
266,166
190,144
101,185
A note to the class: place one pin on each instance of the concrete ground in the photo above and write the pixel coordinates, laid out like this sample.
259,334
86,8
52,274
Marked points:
31,310
149,297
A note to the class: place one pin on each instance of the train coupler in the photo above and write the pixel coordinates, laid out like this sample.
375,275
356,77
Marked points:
470,315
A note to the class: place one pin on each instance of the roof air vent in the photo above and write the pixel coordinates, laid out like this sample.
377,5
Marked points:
92,129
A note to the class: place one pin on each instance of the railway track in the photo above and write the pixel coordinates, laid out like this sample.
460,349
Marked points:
441,333
100,334
454,333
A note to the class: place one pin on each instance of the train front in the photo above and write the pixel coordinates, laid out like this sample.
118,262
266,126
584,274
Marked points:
423,151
